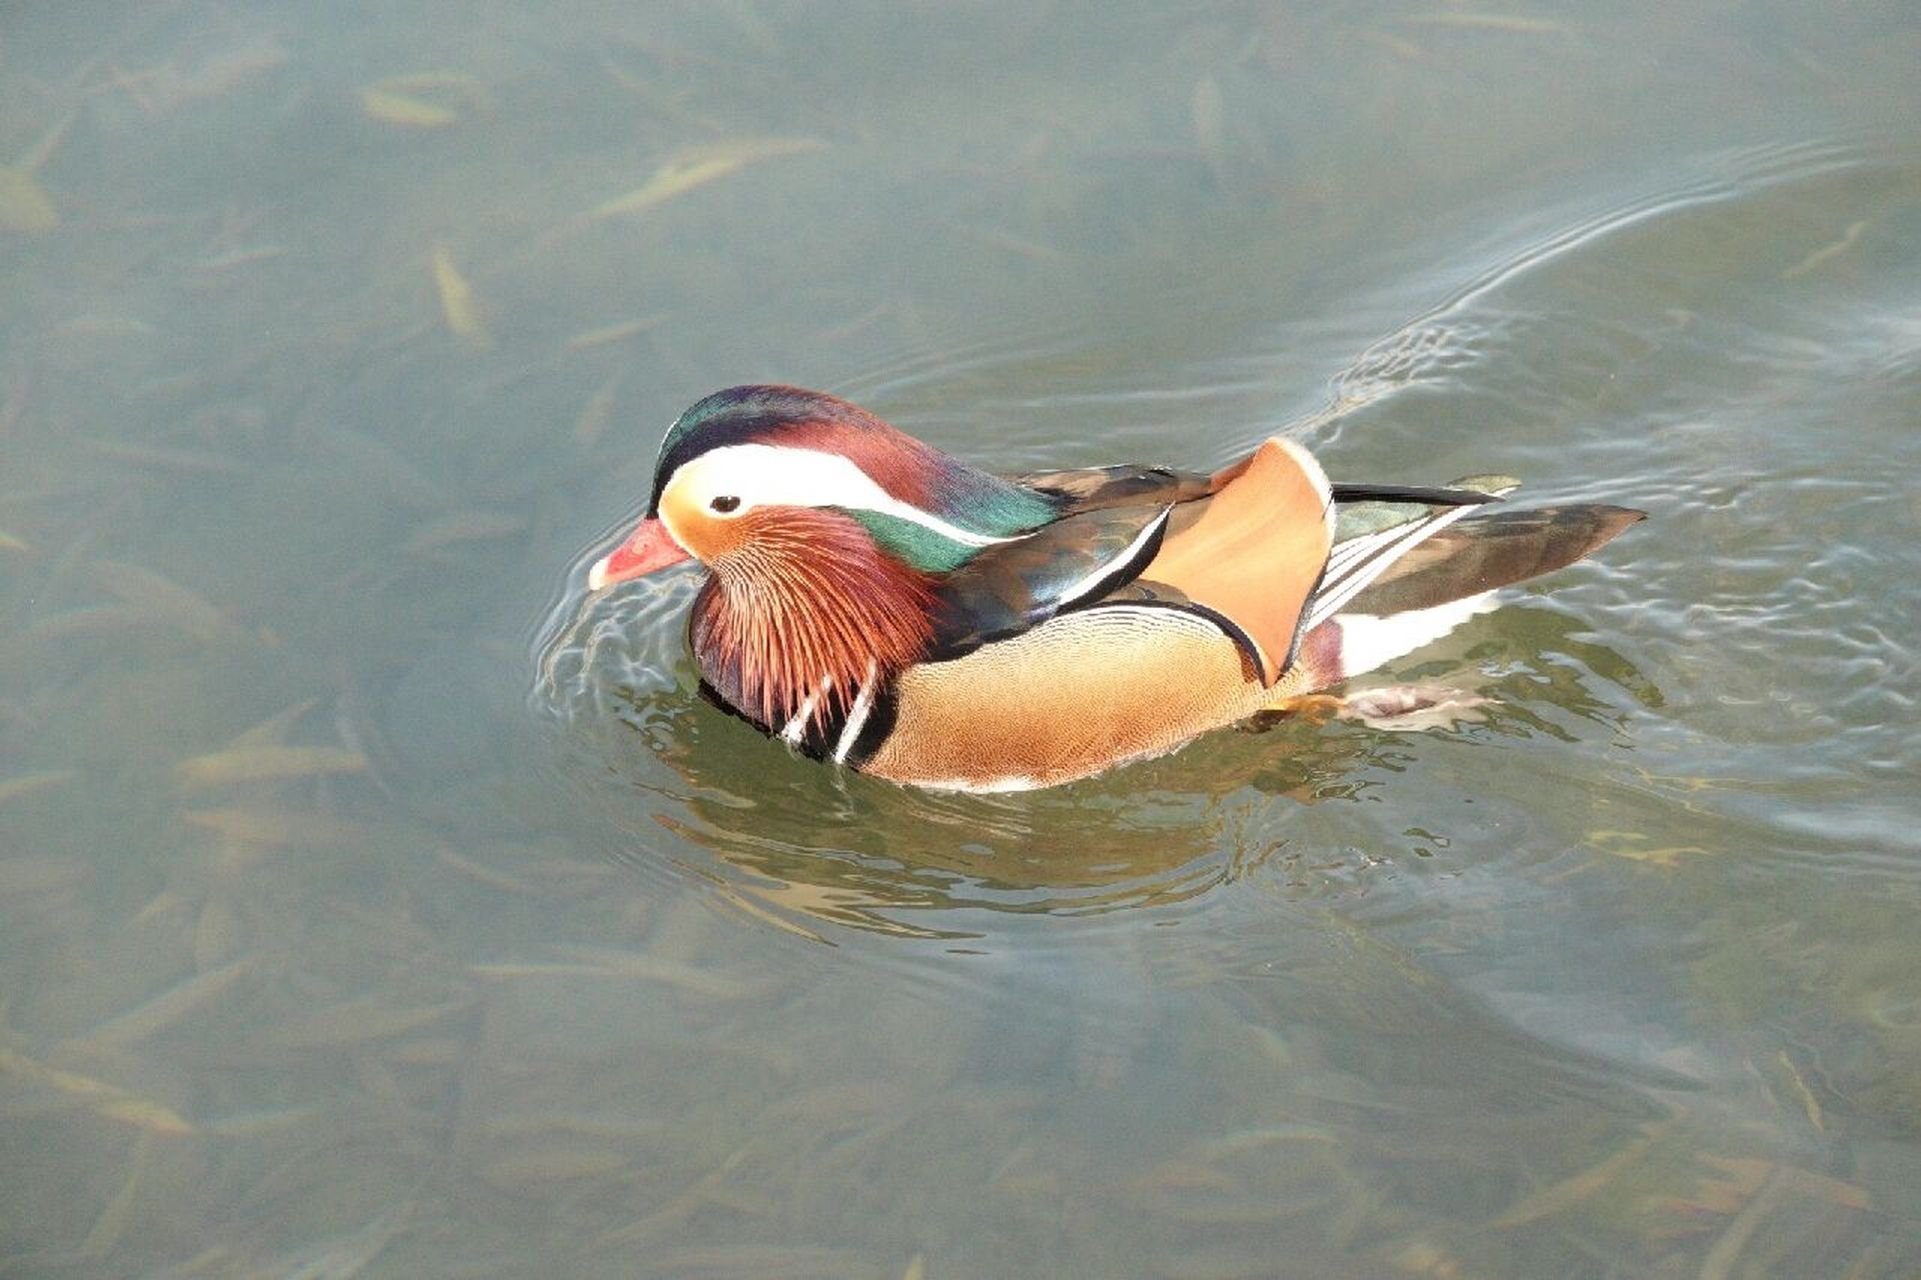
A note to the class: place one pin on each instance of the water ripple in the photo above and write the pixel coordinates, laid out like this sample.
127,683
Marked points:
1460,331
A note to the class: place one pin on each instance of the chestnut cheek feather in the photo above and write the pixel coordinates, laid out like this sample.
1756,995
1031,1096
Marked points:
808,596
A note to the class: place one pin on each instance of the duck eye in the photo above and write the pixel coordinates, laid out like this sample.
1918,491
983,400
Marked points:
724,503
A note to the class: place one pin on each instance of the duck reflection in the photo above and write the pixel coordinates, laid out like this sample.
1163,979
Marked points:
810,842
801,844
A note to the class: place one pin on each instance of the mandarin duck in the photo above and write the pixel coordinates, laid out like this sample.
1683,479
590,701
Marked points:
873,601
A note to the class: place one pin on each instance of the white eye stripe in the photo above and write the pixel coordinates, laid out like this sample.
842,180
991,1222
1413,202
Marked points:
764,475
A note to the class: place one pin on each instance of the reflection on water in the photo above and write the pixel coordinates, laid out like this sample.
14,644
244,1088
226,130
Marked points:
807,840
325,948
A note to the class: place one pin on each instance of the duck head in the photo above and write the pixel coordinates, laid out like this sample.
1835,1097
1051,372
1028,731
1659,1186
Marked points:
826,530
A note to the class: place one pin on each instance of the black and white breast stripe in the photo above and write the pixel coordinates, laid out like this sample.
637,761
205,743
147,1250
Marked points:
837,736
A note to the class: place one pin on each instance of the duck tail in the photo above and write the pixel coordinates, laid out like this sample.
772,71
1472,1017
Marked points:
1447,578
1489,550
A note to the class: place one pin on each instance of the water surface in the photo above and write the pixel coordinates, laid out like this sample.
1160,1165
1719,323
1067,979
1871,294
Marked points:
371,902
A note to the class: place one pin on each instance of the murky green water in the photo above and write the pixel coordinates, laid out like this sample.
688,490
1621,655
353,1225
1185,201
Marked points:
368,906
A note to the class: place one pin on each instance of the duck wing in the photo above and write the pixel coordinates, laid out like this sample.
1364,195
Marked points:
1244,547
1377,526
1013,586
1488,550
1266,549
1094,488
1252,553
1114,522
